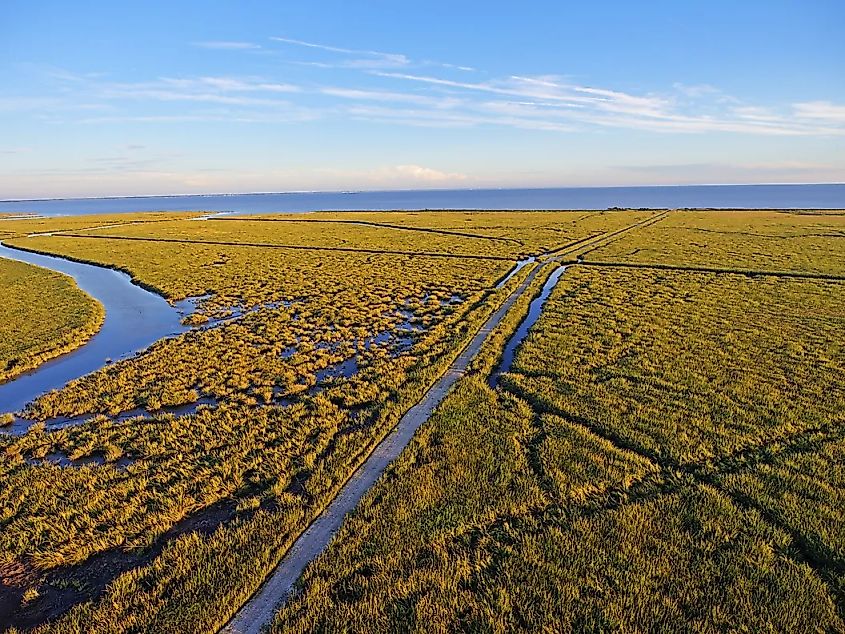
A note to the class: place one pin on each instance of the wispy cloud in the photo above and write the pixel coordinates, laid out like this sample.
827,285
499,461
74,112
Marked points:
420,117
365,58
466,69
365,87
821,110
393,89
550,90
224,84
357,94
232,91
392,176
756,113
325,47
550,99
420,173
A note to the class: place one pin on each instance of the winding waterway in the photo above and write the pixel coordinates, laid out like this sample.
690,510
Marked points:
521,264
534,311
135,319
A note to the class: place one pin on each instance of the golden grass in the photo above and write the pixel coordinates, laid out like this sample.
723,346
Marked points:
645,478
641,468
43,314
797,242
688,367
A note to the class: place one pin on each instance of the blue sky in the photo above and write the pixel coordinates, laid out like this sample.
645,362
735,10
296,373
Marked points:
100,98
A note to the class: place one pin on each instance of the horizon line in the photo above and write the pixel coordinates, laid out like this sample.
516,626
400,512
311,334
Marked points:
411,189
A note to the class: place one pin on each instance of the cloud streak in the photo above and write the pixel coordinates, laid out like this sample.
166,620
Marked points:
412,174
393,89
549,99
366,58
821,110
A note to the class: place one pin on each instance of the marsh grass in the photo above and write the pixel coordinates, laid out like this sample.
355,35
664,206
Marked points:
687,367
791,241
641,468
43,315
280,463
653,462
472,233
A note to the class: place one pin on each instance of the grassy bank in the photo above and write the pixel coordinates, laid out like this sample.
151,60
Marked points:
43,315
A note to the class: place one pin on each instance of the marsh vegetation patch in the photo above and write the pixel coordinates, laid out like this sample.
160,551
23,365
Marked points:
653,422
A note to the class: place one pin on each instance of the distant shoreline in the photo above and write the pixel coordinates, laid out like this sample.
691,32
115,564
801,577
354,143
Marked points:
819,196
345,192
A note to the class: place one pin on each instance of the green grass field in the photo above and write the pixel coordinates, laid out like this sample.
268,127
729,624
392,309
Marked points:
791,241
43,314
665,453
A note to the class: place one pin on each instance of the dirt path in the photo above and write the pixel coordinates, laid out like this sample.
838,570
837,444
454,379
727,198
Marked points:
259,611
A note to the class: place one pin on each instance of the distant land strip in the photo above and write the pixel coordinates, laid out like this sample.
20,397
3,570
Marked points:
565,248
116,223
596,240
369,223
714,269
618,235
298,247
